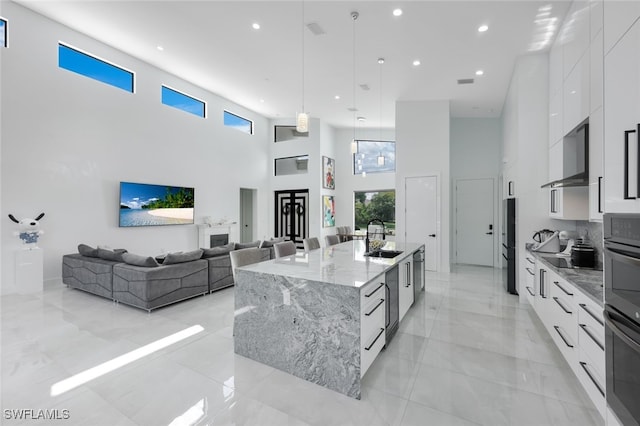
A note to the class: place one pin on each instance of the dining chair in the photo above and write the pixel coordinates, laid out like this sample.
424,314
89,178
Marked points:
311,244
244,257
331,240
286,248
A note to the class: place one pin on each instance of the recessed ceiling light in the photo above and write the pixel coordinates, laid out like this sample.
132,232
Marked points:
336,97
381,61
261,101
479,72
362,119
160,48
397,12
255,26
483,28
416,62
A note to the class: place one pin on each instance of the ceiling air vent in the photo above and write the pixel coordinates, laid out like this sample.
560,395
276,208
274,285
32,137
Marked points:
365,87
352,109
465,81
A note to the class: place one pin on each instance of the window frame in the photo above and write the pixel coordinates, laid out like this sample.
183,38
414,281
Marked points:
6,31
96,58
185,95
224,115
355,155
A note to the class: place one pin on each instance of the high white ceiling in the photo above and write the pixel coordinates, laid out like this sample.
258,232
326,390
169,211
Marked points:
213,45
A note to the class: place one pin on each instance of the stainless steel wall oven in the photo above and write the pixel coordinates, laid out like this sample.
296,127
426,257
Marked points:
622,314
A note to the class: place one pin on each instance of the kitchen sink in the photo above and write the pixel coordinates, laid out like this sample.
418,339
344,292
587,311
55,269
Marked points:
387,254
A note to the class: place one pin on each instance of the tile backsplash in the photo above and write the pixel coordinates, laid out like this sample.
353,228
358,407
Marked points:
593,233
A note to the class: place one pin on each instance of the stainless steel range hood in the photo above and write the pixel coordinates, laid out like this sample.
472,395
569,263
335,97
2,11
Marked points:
581,179
575,159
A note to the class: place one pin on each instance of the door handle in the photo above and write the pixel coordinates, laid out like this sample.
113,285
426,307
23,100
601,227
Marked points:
489,233
432,235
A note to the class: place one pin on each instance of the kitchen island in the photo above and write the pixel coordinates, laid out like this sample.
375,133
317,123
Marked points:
319,315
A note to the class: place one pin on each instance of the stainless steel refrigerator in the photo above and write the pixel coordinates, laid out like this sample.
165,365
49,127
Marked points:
509,250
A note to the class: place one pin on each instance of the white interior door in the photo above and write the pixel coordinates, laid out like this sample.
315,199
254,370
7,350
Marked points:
475,230
421,216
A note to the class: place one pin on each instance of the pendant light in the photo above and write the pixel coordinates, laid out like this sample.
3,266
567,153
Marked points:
354,144
302,118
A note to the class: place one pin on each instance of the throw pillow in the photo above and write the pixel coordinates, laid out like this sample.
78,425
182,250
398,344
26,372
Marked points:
137,260
182,257
247,245
271,242
218,251
88,251
113,255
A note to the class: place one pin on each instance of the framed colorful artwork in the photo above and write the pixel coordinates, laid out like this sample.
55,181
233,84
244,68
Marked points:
328,173
328,211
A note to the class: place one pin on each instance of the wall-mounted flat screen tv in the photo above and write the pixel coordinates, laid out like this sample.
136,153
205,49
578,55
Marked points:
142,204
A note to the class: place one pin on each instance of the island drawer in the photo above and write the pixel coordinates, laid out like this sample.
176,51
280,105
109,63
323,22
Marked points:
372,338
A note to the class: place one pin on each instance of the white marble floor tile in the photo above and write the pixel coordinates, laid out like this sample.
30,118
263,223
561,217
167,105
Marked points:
466,353
420,415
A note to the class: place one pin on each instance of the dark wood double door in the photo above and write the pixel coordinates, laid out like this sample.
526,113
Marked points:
292,215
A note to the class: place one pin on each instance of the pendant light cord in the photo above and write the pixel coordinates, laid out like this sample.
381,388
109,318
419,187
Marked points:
302,57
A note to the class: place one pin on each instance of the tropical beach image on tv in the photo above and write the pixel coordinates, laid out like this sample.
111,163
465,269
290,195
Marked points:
150,205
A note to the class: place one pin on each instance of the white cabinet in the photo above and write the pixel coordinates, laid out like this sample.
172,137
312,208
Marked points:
596,72
563,318
555,118
591,355
529,275
575,34
405,289
596,9
542,299
372,322
622,122
596,173
618,18
575,95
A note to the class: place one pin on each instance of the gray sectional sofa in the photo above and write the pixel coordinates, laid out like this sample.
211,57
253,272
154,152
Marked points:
144,283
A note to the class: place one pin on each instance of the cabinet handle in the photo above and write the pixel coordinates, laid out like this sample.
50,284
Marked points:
584,367
562,337
626,165
586,330
530,271
408,275
600,194
505,257
374,340
562,288
511,188
542,291
374,308
594,316
530,292
530,261
554,207
562,306
374,291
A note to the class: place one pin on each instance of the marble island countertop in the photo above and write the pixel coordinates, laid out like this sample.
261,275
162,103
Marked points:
343,264
589,281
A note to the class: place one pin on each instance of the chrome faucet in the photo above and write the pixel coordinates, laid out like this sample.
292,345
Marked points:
366,241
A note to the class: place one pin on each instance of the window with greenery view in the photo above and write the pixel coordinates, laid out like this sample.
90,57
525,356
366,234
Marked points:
378,205
374,157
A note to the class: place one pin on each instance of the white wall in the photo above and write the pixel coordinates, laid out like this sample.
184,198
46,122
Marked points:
476,154
346,182
67,142
422,148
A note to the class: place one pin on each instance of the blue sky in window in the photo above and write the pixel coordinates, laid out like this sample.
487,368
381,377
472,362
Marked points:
236,122
367,157
181,101
3,33
94,68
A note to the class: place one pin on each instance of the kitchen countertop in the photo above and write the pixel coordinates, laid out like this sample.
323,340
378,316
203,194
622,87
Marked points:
342,264
589,281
